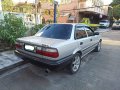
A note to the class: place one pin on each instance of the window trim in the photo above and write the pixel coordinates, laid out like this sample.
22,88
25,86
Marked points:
90,30
75,31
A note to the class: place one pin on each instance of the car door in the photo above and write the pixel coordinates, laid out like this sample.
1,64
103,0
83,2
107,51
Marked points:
92,38
81,38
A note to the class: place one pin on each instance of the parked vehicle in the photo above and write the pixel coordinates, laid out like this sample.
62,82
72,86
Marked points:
104,23
116,25
59,45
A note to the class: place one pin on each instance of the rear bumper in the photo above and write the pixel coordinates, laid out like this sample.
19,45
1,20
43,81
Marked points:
45,62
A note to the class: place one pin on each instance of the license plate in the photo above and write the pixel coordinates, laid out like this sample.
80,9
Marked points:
29,48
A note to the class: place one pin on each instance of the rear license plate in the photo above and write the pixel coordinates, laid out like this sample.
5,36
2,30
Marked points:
29,47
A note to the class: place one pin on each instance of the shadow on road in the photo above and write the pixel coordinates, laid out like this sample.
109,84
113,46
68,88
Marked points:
99,71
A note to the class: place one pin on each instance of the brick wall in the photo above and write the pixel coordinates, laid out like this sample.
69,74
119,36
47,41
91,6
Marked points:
69,6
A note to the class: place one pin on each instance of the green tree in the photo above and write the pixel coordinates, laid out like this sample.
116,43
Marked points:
115,2
7,5
115,12
23,7
27,7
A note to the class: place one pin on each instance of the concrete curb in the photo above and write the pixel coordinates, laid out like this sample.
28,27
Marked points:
5,69
8,61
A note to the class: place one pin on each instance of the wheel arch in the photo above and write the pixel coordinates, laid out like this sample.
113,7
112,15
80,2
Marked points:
77,51
100,40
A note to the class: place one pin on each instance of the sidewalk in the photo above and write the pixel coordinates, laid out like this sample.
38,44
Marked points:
9,60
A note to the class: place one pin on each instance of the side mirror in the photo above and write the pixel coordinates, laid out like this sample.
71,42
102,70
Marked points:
96,33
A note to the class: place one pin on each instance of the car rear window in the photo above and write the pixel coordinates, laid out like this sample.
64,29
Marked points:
56,31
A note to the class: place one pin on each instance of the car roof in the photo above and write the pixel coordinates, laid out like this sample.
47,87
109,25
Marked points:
104,20
79,24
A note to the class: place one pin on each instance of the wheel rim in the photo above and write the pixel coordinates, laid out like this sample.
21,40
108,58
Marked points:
99,46
76,63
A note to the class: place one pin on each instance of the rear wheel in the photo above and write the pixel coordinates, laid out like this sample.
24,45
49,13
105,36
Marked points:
113,28
75,64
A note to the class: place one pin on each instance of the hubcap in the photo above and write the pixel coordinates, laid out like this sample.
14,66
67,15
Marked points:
76,63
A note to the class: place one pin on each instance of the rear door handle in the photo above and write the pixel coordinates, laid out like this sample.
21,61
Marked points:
81,43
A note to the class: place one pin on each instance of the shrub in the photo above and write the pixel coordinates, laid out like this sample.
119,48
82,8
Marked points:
38,27
34,30
49,21
11,28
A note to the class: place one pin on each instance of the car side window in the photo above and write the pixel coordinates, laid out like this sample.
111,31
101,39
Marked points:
89,31
80,33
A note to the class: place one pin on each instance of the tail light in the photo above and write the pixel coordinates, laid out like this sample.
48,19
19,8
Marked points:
18,45
49,52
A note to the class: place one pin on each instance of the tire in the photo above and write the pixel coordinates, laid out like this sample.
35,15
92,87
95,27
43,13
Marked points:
98,47
75,64
113,28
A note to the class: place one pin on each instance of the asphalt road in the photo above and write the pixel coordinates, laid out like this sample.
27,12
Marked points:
99,71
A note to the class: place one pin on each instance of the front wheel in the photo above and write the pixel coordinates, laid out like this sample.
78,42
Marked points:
98,47
75,64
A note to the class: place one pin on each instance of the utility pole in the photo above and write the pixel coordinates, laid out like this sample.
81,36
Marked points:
55,11
36,13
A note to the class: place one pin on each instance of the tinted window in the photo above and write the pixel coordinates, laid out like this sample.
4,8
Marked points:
117,22
80,33
89,31
104,21
57,31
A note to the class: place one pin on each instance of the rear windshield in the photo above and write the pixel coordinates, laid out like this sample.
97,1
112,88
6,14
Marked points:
56,31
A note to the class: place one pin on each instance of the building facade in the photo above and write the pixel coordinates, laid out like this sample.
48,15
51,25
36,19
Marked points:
92,9
0,6
75,10
66,9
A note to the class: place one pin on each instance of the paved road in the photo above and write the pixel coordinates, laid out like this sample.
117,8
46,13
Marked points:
99,71
103,30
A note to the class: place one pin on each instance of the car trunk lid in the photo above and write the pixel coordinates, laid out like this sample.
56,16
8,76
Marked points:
37,40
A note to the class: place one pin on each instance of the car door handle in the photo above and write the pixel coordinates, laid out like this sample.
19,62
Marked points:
81,43
90,39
